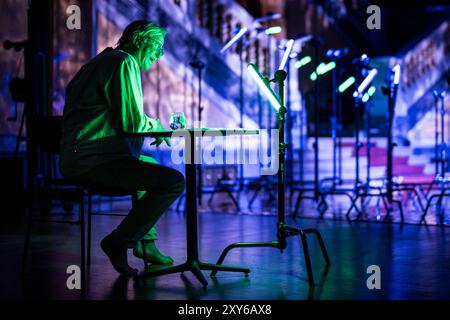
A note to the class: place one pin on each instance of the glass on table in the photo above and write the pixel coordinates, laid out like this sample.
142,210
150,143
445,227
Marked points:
177,121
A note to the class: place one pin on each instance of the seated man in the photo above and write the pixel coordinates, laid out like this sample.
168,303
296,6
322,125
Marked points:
104,102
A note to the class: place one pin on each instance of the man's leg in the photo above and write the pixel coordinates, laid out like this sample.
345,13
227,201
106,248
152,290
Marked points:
152,253
163,186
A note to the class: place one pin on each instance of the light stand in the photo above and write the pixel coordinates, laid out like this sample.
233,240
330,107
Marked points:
322,205
363,190
224,183
391,92
283,231
336,118
256,24
440,155
360,189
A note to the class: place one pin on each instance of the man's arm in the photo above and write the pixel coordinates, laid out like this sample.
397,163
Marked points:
124,93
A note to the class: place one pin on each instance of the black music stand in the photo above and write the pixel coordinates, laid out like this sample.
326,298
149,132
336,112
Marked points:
283,230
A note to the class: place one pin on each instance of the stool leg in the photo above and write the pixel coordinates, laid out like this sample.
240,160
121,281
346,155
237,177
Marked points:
83,245
89,235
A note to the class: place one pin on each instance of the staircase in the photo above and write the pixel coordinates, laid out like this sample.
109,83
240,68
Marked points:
407,166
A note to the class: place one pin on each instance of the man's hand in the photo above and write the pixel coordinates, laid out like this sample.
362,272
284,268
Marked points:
158,141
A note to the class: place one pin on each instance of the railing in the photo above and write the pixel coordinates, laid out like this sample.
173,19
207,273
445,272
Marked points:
422,67
222,18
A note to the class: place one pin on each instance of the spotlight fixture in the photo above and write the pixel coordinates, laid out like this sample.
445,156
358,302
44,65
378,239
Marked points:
365,83
269,17
346,84
235,39
286,54
263,84
303,62
273,30
370,92
322,68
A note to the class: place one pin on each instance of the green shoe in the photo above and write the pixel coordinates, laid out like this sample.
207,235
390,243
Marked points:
152,253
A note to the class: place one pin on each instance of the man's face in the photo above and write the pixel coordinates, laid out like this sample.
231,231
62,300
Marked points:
151,52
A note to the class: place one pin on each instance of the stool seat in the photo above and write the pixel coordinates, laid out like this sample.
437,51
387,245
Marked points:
92,188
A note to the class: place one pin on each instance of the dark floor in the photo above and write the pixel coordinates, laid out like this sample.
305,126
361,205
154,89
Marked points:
414,261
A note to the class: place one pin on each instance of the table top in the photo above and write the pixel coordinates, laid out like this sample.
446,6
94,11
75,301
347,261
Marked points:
200,131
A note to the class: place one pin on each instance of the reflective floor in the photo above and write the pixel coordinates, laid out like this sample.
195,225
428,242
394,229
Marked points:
414,261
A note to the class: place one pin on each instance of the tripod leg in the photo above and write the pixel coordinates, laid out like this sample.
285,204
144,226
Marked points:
428,207
250,203
321,243
211,197
195,269
400,207
297,203
273,244
236,203
307,259
386,204
212,267
291,197
439,212
352,205
323,205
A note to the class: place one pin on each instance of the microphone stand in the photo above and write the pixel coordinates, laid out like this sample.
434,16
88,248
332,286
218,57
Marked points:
283,231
